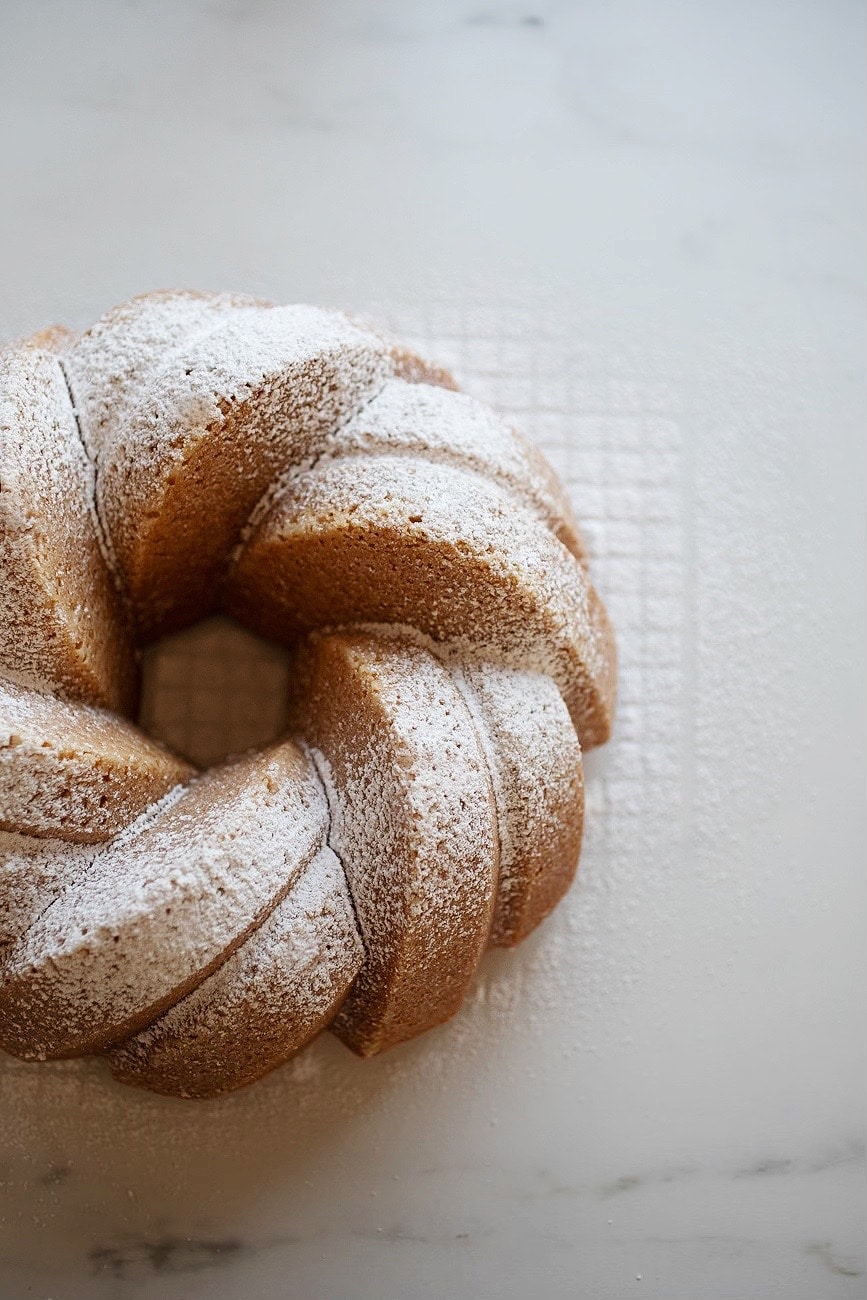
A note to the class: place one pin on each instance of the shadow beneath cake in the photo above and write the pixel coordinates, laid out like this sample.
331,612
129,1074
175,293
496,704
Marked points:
175,1187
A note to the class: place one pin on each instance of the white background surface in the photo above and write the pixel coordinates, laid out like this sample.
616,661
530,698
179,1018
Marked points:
639,229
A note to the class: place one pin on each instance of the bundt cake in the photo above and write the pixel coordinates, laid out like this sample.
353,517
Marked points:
450,658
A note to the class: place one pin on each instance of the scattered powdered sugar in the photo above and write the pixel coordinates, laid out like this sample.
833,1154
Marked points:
161,906
469,566
413,823
73,771
103,949
33,873
449,427
110,363
60,621
265,1001
535,763
251,391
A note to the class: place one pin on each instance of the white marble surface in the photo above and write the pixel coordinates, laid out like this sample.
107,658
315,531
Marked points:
640,228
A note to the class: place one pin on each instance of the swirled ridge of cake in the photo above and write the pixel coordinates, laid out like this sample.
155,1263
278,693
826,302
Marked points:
161,906
451,657
263,1004
397,539
62,623
74,772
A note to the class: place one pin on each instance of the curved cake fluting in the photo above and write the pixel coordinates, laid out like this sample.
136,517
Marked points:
161,906
33,874
275,993
209,421
61,621
401,540
535,762
451,656
452,428
413,822
74,772
414,369
112,363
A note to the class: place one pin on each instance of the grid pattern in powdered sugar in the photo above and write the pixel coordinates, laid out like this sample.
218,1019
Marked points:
611,427
611,430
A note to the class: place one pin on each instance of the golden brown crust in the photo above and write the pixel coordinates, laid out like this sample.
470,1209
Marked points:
62,622
416,370
413,823
218,397
535,762
157,910
266,1002
73,772
54,338
398,541
339,481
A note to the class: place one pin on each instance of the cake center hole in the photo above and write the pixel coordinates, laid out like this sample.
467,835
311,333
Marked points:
214,689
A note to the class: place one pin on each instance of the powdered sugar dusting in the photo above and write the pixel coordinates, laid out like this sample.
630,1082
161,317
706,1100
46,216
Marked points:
116,357
265,1001
162,905
179,382
412,822
535,763
73,771
33,873
60,621
444,426
250,388
469,566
